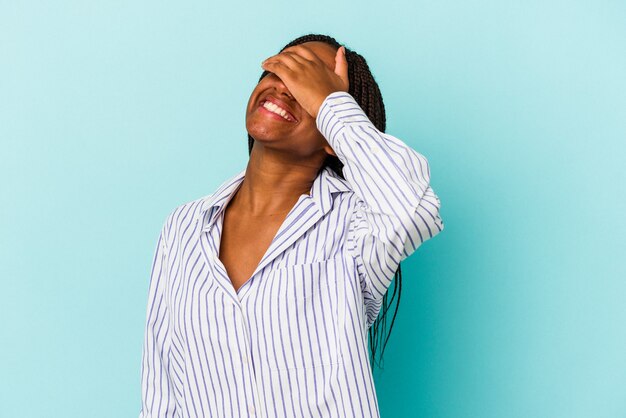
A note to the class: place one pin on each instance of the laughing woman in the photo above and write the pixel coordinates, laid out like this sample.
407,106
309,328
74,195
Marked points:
262,294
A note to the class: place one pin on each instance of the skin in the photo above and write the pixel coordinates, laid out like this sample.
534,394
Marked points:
286,156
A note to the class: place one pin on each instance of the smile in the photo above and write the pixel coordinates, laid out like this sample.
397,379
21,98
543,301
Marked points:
276,110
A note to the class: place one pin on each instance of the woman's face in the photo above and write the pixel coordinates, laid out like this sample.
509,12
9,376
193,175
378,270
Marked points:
299,137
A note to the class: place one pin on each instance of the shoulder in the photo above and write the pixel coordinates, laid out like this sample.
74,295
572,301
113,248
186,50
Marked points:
183,216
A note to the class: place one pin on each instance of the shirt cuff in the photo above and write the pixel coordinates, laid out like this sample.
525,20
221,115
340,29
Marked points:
338,109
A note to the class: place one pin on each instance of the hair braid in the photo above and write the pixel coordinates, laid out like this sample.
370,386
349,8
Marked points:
365,90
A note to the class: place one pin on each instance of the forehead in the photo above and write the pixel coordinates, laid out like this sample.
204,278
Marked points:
324,51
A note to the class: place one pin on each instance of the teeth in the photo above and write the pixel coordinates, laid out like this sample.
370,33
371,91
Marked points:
276,109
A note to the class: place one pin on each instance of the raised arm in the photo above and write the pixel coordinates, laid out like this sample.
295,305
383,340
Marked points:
396,209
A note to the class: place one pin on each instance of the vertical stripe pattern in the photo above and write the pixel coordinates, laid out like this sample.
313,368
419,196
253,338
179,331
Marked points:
292,340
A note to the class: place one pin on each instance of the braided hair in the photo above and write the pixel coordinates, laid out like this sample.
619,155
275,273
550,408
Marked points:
366,92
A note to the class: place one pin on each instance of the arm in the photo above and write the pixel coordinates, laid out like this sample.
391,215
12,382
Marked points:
396,209
157,397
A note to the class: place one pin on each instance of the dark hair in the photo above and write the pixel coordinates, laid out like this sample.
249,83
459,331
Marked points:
365,91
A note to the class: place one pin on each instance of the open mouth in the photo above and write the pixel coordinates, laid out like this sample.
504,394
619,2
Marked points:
273,109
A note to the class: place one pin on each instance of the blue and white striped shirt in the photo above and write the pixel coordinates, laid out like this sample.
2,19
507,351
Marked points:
292,340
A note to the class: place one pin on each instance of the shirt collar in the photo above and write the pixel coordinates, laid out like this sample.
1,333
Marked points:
325,184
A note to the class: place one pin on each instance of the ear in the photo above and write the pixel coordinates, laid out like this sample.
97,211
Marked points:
329,150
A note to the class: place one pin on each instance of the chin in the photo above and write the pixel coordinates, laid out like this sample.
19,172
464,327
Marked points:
261,135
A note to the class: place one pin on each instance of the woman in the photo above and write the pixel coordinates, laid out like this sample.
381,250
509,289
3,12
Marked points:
261,294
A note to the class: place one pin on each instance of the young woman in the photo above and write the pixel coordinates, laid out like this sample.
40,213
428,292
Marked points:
262,293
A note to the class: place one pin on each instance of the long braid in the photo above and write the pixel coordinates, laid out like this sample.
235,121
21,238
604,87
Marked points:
366,92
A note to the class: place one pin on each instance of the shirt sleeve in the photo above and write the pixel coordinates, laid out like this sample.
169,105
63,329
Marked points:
157,397
396,209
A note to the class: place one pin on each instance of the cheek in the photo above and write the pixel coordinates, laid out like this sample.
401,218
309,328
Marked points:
311,139
250,105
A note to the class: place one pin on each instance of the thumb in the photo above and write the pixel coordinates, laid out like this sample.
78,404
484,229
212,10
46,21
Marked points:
341,65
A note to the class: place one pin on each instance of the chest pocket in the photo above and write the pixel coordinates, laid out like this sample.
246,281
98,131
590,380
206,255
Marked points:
305,314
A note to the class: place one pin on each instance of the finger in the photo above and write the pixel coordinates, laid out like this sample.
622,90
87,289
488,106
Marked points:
306,52
286,59
277,67
296,57
289,59
268,58
341,64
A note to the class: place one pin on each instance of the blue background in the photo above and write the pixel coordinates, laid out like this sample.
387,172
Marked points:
113,113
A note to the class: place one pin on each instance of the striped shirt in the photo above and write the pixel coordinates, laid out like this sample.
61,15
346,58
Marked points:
292,340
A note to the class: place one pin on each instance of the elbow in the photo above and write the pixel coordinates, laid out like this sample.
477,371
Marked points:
428,216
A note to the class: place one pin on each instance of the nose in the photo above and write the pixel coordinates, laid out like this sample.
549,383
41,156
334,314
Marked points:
281,88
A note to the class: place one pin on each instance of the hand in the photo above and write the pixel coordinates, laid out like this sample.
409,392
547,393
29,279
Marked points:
307,77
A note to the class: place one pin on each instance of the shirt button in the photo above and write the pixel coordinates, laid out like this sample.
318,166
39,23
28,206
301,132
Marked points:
251,409
245,358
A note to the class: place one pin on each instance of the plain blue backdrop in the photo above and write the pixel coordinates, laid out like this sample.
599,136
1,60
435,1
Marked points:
113,113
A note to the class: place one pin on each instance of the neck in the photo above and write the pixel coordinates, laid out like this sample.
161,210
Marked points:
272,186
